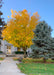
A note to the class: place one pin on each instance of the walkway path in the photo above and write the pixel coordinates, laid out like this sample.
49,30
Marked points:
9,67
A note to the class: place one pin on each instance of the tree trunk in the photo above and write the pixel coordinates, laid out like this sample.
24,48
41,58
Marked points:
24,53
18,49
44,60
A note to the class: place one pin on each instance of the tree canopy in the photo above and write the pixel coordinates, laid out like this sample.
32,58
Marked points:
42,40
19,29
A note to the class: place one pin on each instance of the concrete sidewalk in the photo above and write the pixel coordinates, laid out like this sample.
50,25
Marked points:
9,67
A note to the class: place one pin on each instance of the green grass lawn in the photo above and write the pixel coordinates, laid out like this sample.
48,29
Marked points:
36,68
1,58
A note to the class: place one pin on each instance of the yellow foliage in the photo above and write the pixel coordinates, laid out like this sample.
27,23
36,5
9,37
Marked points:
19,29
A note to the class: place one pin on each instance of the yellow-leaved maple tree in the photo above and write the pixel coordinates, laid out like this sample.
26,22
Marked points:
19,29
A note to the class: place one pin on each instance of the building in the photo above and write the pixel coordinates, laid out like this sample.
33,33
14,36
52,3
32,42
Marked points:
7,48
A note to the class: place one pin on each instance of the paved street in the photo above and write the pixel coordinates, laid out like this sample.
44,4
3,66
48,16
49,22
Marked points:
9,67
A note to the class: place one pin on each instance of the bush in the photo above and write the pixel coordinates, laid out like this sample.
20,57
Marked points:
31,60
19,52
1,52
15,58
27,60
20,59
2,58
52,58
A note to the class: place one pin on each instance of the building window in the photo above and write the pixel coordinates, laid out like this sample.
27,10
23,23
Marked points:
8,47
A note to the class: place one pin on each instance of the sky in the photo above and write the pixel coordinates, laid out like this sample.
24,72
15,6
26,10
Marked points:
45,9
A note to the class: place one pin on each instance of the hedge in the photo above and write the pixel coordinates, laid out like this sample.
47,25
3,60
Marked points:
1,52
19,52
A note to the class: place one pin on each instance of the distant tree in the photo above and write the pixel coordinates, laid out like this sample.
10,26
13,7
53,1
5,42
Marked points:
2,22
1,3
41,40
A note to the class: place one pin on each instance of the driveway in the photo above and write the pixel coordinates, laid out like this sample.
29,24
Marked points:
8,67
